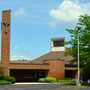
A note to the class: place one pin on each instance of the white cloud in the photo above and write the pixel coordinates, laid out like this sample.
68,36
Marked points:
20,57
68,11
20,12
19,54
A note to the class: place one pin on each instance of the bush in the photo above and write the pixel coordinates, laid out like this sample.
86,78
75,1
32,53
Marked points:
70,80
50,79
3,82
1,77
41,80
10,79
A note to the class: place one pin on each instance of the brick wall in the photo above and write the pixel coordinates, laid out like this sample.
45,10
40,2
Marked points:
5,41
56,69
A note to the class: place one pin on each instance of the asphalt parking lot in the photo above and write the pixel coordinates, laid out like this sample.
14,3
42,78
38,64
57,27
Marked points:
36,87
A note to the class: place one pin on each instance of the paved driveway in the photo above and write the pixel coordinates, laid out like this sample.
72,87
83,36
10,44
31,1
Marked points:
35,87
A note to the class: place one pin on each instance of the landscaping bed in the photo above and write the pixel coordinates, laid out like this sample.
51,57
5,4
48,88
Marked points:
7,80
61,81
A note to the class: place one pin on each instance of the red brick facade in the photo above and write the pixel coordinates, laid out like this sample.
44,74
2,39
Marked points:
5,42
56,69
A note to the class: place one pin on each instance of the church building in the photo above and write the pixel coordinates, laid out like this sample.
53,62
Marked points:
51,64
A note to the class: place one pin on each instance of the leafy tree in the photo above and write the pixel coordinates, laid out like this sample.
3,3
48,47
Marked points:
83,28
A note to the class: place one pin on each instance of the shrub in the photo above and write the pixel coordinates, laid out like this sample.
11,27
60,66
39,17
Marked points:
10,79
41,80
3,82
70,80
50,79
1,77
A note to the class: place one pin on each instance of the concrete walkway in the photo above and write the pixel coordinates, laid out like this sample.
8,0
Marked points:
24,83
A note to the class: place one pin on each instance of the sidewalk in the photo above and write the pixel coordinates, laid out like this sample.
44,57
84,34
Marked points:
24,83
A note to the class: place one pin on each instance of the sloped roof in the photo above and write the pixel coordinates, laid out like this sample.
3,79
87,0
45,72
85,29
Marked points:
52,56
59,55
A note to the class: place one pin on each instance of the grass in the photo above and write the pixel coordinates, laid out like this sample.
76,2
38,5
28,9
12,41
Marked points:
74,86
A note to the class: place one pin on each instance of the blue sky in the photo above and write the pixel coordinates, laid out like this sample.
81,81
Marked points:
35,22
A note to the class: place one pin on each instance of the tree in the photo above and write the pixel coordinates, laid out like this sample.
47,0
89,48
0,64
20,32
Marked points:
83,28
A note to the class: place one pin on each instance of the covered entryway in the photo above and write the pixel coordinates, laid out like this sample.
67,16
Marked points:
28,75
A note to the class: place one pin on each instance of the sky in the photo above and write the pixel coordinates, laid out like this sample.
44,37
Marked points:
35,22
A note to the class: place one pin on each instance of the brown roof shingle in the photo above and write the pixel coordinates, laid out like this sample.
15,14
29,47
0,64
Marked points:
52,56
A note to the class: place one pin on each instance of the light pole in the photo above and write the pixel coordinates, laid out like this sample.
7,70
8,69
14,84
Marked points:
78,61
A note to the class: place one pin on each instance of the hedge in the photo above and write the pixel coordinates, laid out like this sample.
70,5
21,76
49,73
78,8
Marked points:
10,79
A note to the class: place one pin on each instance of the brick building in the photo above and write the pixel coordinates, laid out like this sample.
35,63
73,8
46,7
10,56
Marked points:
52,64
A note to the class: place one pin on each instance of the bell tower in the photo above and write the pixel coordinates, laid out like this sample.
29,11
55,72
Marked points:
57,44
5,41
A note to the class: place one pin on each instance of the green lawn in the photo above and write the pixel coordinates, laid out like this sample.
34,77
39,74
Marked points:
74,86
